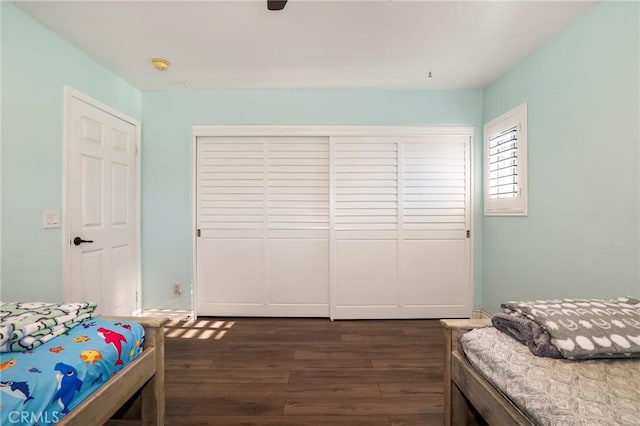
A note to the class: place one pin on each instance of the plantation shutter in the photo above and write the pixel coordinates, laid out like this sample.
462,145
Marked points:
503,165
231,186
263,225
298,187
366,189
435,203
401,211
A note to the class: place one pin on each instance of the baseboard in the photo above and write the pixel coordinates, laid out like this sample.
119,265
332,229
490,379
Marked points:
183,315
480,314
173,314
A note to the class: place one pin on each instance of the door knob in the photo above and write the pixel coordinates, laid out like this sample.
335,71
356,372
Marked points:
77,241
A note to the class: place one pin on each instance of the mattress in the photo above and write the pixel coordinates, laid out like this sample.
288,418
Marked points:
41,386
557,391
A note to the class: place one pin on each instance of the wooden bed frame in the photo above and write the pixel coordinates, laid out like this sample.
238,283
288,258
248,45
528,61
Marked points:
468,397
145,373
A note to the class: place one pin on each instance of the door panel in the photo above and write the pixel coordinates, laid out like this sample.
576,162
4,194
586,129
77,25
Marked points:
434,273
120,277
401,216
231,273
366,274
263,216
92,195
92,275
299,271
120,194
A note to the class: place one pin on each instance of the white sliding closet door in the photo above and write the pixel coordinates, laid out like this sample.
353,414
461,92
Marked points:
263,221
343,226
400,247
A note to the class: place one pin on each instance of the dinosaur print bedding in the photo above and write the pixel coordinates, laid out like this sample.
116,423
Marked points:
40,386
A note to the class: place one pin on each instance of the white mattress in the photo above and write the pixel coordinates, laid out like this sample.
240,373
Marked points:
557,392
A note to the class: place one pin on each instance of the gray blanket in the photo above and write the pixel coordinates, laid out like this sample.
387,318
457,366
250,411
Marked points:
527,332
584,328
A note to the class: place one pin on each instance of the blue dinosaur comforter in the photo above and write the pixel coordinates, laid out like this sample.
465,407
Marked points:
39,387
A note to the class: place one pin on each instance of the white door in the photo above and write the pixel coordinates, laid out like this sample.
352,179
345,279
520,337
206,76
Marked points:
102,209
402,211
346,227
263,221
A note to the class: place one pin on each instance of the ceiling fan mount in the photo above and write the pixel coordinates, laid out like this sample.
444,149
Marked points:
276,4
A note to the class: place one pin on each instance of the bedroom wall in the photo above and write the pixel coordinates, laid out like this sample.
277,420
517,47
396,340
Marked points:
581,238
167,156
36,65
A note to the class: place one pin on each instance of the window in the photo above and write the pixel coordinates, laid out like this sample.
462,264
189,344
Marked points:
505,164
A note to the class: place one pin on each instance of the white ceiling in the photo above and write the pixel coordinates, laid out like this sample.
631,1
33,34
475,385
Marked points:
311,44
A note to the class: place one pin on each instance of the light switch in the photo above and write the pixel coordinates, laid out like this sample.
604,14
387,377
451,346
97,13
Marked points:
51,219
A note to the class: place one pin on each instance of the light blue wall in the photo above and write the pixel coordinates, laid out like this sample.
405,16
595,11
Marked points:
36,65
167,156
582,234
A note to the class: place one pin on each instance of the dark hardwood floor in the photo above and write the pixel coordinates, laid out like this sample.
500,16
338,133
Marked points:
273,371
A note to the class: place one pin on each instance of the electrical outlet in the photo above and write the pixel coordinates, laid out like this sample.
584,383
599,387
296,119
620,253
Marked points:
177,289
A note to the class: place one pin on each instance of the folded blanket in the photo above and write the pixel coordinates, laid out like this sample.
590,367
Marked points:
586,328
527,332
25,325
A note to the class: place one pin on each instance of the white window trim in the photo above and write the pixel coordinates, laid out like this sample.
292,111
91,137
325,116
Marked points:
508,206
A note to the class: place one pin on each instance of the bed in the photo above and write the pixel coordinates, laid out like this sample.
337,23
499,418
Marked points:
517,388
102,362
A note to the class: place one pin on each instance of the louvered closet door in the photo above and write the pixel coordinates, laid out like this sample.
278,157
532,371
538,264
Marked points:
400,248
365,251
263,215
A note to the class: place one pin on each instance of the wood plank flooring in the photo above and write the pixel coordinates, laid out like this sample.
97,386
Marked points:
273,371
